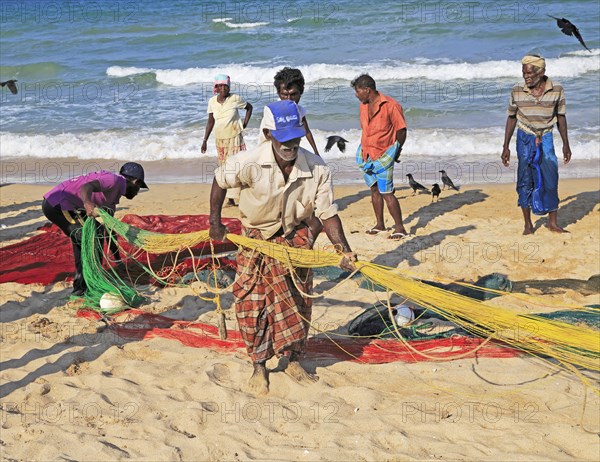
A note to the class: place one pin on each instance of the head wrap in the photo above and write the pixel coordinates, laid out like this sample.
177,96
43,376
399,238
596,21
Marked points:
221,79
534,60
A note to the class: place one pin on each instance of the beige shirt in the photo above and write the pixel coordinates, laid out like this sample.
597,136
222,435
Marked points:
267,201
227,118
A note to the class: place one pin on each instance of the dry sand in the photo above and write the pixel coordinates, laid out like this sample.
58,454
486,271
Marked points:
69,393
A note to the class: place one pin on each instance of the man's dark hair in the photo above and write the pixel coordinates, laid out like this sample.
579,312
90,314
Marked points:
364,81
289,77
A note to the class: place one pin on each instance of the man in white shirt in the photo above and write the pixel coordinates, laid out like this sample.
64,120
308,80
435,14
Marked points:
284,189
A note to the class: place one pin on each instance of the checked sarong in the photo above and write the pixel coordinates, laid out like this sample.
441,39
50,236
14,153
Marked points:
273,317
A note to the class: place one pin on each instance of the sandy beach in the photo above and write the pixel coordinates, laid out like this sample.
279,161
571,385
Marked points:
69,392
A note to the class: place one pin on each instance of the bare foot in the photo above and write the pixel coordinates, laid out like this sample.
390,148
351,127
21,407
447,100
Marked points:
299,374
556,229
259,382
528,230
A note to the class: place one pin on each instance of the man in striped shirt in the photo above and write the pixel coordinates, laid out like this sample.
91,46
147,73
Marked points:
534,109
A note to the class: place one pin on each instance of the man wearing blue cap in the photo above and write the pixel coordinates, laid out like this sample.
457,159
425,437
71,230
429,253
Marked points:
69,203
286,197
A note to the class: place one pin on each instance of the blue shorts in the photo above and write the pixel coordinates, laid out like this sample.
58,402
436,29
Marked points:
380,171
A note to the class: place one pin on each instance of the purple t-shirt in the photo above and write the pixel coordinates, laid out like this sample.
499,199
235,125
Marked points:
66,194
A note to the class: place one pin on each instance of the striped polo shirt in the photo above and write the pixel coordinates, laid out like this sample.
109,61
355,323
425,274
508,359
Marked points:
540,114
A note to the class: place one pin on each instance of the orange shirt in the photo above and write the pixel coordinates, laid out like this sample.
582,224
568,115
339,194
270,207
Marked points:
379,133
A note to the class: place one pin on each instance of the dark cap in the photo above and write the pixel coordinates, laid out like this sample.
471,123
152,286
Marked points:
134,170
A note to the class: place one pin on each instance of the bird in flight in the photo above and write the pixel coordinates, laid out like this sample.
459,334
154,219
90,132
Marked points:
331,140
11,86
568,28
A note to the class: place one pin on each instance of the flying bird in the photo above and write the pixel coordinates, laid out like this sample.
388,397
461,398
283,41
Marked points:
11,86
435,192
331,140
447,181
414,185
568,28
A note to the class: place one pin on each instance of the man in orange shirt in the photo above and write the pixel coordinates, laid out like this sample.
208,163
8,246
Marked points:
383,135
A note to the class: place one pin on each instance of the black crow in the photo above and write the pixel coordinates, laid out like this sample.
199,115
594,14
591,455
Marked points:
568,28
11,86
413,184
331,140
435,192
447,181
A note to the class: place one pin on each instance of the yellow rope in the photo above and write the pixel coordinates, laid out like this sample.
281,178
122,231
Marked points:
571,346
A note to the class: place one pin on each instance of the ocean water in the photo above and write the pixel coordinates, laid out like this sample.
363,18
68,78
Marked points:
104,82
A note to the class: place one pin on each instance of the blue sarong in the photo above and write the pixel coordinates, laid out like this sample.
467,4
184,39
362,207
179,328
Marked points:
380,171
537,173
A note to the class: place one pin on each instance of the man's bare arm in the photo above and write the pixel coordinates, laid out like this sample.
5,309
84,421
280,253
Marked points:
561,124
511,123
401,136
248,114
335,232
401,139
309,137
86,196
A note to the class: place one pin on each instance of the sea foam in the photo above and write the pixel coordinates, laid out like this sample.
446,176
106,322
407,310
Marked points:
184,143
569,66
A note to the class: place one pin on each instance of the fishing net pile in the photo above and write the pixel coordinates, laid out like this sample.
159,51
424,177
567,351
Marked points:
571,346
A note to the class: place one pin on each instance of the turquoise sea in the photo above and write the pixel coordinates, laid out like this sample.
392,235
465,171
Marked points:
110,81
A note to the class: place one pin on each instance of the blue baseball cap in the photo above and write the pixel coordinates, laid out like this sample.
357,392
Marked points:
134,170
284,121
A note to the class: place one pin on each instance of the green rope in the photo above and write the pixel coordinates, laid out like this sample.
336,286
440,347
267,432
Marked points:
100,281
134,236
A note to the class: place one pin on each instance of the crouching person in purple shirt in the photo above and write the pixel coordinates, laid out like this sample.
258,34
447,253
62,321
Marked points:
68,204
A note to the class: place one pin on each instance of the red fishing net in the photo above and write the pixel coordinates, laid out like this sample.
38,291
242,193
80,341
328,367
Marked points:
48,257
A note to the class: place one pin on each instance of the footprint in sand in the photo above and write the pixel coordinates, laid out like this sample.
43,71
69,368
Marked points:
39,324
73,369
76,368
44,386
219,374
114,451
